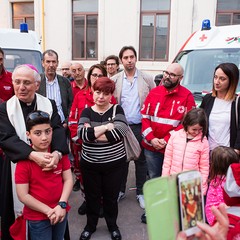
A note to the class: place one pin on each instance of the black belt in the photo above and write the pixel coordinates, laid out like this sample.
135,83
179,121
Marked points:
135,124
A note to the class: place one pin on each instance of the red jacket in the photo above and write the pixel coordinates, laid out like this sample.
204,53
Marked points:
6,86
163,112
83,99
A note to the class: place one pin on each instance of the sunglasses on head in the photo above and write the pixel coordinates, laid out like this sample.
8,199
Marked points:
37,114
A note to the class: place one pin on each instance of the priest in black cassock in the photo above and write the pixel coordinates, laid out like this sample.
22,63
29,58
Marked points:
13,140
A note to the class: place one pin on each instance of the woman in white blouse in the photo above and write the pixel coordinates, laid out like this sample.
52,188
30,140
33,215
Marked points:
220,107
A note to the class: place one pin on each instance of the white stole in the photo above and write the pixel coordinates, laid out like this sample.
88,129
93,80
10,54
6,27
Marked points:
15,116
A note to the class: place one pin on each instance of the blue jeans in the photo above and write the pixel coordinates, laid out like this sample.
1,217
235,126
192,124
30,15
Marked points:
154,163
43,230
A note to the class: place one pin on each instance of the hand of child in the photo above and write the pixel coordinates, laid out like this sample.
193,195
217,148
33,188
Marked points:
52,216
60,213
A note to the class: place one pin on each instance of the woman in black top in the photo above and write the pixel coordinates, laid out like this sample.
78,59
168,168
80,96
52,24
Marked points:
221,108
103,157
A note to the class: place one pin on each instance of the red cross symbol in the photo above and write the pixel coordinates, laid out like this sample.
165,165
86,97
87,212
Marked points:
203,37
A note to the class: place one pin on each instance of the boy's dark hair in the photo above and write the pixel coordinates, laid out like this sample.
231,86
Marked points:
221,158
196,116
37,117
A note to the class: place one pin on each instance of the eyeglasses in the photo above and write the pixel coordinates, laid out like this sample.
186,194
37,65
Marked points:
38,114
25,83
170,75
65,69
95,75
111,64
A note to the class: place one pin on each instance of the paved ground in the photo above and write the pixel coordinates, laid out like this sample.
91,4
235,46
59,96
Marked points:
129,221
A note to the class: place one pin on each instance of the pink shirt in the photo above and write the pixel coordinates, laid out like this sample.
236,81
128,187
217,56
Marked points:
214,197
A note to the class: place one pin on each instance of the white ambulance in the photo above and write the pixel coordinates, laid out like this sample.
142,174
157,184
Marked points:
203,51
20,46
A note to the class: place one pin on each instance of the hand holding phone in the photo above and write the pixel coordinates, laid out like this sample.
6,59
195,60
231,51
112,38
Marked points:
191,204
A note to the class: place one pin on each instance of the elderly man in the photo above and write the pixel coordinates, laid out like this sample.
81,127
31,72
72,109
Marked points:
79,81
14,142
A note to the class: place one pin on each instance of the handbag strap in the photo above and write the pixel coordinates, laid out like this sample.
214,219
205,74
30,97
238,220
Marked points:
114,111
236,110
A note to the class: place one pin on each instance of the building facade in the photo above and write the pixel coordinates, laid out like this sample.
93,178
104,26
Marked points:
89,30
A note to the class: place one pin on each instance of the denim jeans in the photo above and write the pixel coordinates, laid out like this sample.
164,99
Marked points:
43,230
154,163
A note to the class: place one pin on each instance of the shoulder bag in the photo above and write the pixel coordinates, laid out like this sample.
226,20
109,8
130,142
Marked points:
131,144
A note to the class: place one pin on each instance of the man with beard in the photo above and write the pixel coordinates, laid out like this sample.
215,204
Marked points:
162,113
132,88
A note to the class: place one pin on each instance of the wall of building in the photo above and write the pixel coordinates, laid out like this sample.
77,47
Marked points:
119,25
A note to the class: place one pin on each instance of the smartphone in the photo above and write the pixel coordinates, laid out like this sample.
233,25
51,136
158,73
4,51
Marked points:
191,203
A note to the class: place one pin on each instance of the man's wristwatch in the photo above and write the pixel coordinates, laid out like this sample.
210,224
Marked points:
59,154
63,205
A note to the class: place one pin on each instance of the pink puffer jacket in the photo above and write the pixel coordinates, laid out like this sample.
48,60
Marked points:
181,155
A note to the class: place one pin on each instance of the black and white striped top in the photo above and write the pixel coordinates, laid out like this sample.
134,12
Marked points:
103,152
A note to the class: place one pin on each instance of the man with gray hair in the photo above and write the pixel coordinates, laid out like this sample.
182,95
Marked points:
14,142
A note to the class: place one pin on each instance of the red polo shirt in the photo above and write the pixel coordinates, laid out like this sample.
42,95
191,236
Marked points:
77,89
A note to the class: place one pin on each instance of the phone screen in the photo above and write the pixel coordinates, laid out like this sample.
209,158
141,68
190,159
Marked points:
191,205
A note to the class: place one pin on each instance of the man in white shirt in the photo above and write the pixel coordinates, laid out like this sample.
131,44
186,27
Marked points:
54,86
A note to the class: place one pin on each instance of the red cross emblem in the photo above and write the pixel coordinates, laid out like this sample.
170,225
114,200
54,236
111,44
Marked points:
203,37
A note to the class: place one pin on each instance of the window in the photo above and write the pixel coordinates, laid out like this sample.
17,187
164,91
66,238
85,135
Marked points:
228,12
23,12
85,29
154,34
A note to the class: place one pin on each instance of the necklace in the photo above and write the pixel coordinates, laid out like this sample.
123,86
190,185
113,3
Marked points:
101,111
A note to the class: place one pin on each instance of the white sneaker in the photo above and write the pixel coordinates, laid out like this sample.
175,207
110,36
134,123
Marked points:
140,199
121,196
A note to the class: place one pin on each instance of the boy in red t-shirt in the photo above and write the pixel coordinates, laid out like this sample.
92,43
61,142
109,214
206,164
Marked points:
43,193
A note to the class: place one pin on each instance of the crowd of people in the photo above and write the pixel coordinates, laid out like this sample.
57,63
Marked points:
52,124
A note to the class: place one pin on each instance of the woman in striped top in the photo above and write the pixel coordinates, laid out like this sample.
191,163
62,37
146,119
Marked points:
103,157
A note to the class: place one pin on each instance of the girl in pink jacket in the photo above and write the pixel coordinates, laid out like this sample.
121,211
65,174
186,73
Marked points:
221,158
188,148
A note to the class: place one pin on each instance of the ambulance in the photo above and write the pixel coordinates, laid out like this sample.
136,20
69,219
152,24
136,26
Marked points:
20,46
203,51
